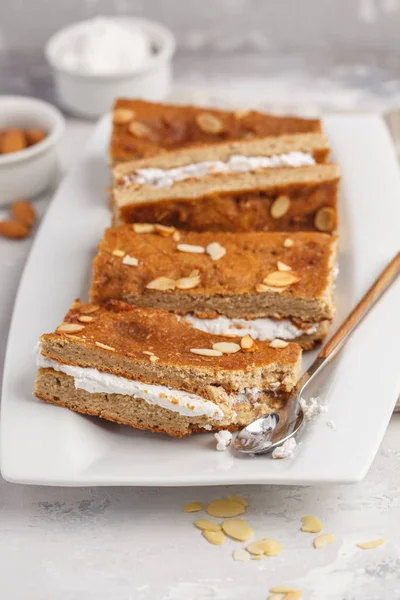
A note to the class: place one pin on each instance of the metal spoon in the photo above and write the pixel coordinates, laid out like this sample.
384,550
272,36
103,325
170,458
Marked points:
272,430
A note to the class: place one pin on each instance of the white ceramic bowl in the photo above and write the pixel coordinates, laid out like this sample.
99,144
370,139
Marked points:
29,172
91,95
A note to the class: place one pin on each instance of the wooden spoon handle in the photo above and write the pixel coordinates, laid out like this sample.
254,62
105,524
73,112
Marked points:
375,292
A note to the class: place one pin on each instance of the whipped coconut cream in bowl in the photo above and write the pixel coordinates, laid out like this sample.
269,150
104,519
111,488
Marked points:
95,61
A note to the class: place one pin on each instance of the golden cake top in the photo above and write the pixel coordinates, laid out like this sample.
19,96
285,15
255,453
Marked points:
145,258
159,337
142,129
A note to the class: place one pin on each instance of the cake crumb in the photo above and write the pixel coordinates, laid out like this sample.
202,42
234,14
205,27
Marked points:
312,407
331,425
287,450
224,439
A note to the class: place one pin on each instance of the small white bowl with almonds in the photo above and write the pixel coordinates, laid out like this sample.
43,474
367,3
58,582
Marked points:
30,130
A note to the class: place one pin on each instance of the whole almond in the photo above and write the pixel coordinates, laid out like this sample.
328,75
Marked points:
34,135
23,212
325,219
13,230
280,206
12,140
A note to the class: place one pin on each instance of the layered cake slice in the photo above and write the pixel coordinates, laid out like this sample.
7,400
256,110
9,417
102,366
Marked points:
269,184
142,129
267,285
151,370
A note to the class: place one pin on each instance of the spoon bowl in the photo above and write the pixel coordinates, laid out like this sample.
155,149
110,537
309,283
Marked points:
272,430
268,432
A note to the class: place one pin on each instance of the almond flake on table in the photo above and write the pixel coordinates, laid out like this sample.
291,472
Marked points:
193,507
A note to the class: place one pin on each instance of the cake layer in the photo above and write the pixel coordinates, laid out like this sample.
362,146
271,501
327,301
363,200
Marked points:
287,151
155,347
236,285
58,388
275,199
144,129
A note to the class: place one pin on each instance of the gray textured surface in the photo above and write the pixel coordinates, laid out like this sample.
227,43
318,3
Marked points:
220,24
316,54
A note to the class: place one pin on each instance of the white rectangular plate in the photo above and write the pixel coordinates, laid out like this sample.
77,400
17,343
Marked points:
45,444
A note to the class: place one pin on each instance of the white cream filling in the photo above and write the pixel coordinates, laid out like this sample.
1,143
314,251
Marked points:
259,329
235,164
95,382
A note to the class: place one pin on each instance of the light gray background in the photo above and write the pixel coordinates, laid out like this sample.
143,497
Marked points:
221,24
320,46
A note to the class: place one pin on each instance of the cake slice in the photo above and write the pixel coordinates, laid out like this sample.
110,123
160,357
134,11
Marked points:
142,129
266,285
151,370
274,184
